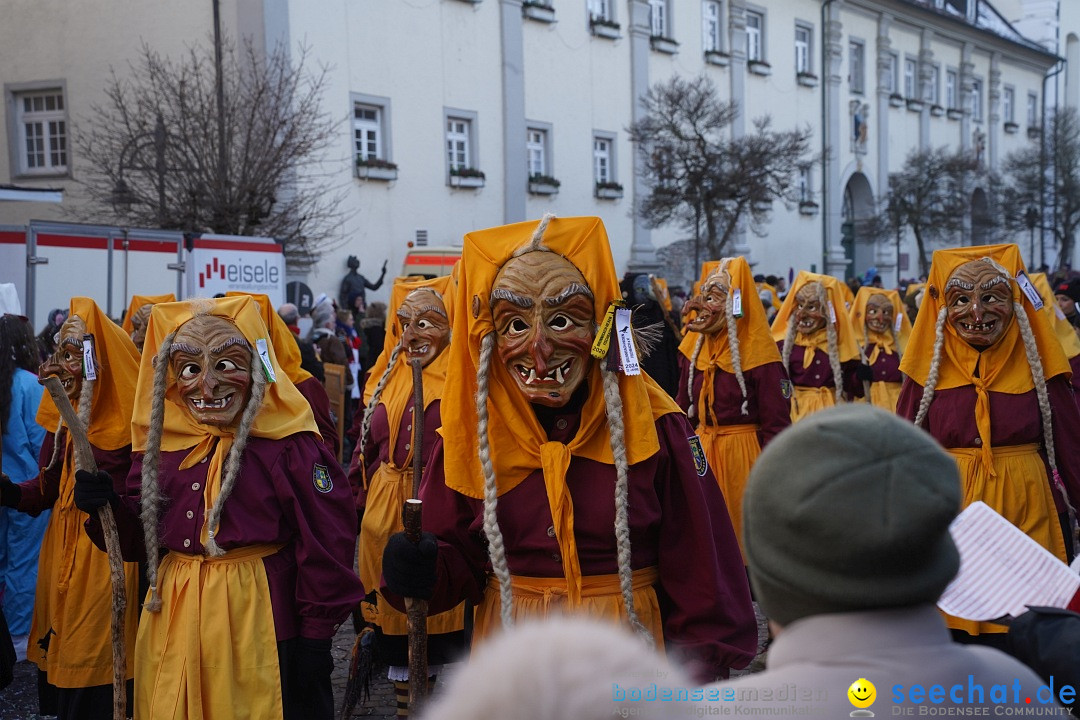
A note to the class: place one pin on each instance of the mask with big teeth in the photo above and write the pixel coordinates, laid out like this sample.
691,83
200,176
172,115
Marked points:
66,362
425,328
710,305
139,319
544,325
212,364
979,302
809,309
880,314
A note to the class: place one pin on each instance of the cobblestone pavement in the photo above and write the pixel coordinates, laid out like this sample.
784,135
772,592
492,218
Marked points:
19,700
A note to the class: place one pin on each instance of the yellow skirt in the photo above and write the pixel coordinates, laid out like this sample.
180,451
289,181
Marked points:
1020,493
211,653
73,606
809,400
538,598
388,490
885,395
731,451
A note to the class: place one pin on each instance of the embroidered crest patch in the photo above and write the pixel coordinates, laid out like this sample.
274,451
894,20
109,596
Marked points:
700,463
786,389
320,475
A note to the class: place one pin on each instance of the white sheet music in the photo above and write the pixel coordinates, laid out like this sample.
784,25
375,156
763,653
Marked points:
1002,570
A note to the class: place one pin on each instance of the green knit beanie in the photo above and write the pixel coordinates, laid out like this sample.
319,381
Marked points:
847,510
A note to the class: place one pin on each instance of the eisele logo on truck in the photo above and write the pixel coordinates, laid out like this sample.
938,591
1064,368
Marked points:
240,274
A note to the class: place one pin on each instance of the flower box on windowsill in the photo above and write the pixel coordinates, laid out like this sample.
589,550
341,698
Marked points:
609,191
543,185
471,2
605,28
715,57
466,178
808,207
759,67
896,100
762,206
954,113
1010,127
1034,132
806,79
539,11
915,105
937,110
663,44
376,170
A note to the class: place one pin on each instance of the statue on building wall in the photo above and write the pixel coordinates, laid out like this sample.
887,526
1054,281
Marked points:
860,129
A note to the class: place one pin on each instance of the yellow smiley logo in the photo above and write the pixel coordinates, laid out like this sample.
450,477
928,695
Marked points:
862,693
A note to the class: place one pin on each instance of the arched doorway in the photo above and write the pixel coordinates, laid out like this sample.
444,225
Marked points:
856,210
981,224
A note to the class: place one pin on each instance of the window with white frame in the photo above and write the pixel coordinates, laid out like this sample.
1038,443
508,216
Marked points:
603,158
1032,110
806,193
600,9
658,18
933,91
803,36
367,132
1008,105
951,84
755,32
976,101
536,147
712,25
856,66
42,134
458,143
910,66
892,70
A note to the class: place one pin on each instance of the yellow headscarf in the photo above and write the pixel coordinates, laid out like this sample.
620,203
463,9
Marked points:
772,291
1070,343
398,391
881,341
284,410
282,338
1003,367
516,434
137,301
114,389
660,289
846,345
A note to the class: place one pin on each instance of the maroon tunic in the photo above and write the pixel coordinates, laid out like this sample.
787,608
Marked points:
1014,420
678,524
314,392
276,500
378,445
766,403
1074,363
887,367
42,492
820,373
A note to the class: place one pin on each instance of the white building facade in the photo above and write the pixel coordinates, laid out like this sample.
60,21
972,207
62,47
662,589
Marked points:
460,114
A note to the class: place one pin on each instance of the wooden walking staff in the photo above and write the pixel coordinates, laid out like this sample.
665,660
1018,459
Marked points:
416,609
84,460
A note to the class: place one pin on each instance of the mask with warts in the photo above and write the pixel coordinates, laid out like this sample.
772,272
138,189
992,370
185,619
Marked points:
425,328
544,325
212,364
809,310
710,304
879,314
979,303
139,319
66,362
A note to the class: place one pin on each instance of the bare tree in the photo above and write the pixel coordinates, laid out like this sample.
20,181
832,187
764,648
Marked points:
1049,168
701,177
156,156
928,196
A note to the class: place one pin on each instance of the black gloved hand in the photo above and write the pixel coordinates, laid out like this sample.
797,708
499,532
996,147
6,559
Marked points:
311,671
409,568
92,490
864,373
10,493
